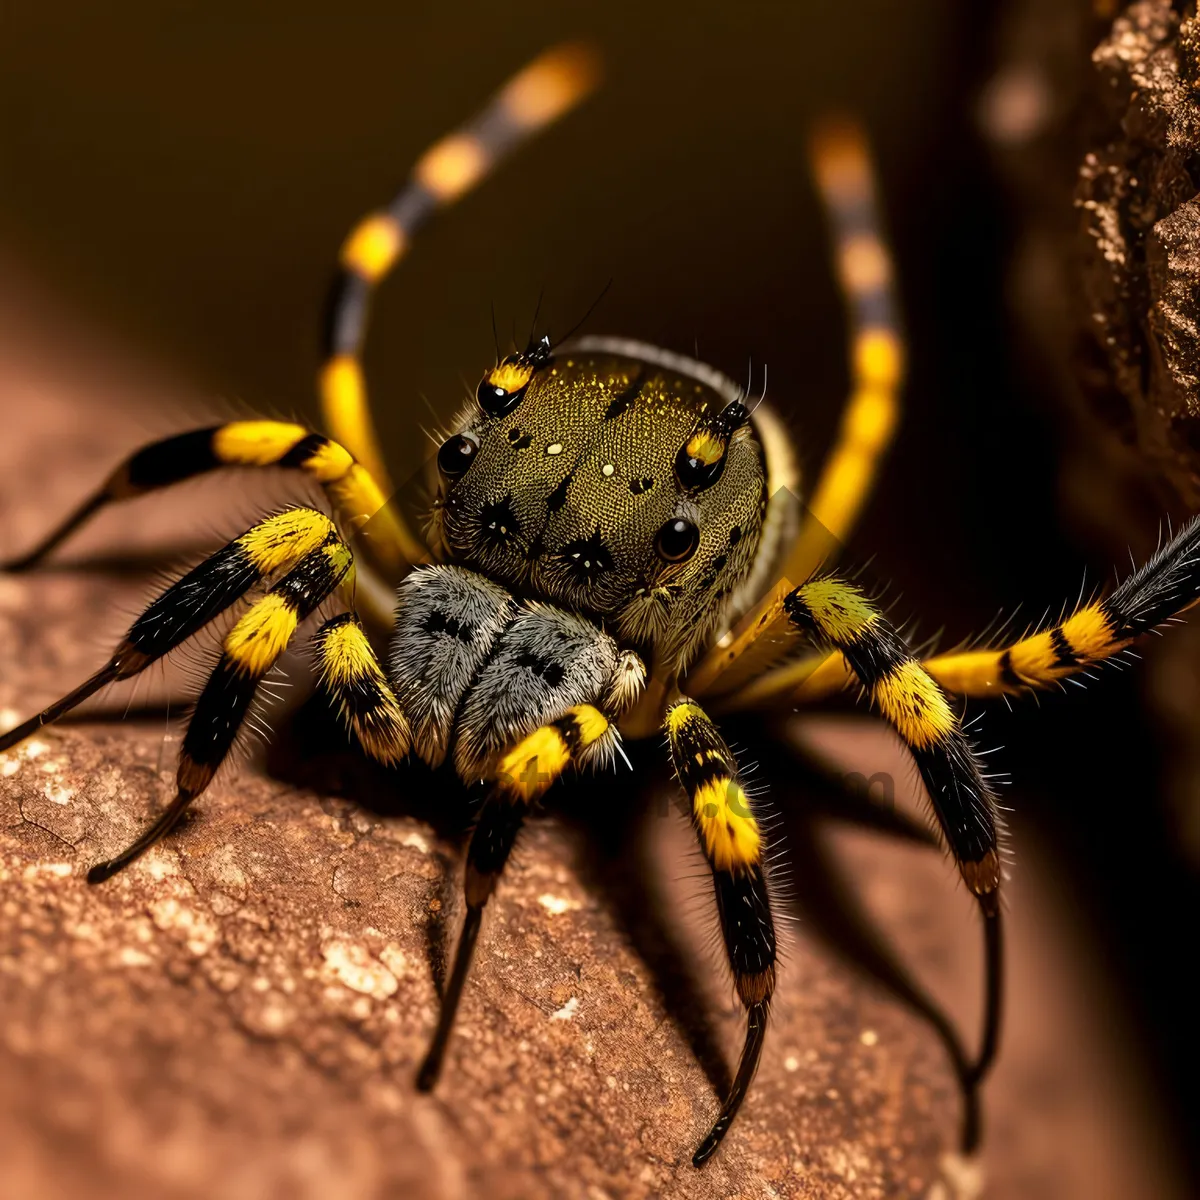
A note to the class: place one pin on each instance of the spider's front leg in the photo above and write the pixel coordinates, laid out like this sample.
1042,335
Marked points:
301,542
275,544
733,843
356,498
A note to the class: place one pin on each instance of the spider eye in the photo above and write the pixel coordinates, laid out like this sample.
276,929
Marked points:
701,459
457,454
496,400
694,472
677,540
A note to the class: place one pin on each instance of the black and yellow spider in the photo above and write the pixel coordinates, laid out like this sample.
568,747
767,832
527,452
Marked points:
615,548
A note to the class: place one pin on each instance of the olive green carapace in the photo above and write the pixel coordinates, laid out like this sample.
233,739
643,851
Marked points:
569,491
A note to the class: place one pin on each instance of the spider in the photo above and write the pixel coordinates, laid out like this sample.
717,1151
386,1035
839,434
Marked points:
615,547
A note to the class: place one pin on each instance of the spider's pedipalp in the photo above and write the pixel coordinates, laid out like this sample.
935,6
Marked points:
492,841
350,676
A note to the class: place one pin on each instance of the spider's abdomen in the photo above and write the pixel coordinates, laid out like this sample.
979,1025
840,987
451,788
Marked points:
473,668
617,485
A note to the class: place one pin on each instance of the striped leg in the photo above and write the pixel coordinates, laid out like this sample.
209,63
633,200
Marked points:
864,269
734,845
350,677
521,776
1166,585
842,166
911,701
276,544
1163,587
249,651
546,89
353,494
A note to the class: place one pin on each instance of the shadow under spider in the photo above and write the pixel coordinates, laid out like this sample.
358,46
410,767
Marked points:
805,799
138,564
610,828
310,749
612,825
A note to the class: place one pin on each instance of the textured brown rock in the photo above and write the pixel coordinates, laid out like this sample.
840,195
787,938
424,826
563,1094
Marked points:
240,1013
1097,124
1141,223
1105,168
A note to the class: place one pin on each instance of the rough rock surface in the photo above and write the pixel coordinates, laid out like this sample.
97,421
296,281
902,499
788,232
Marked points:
1094,116
240,1013
1141,232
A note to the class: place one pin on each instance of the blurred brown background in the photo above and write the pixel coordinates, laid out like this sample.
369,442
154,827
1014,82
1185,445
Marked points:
181,175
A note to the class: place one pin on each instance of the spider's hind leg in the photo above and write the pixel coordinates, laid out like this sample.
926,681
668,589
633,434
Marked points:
842,163
547,88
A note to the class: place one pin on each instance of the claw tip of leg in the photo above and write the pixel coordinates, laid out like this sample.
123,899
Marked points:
427,1076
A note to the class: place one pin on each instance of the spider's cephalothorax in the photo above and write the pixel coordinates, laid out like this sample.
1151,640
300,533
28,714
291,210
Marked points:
599,504
609,483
